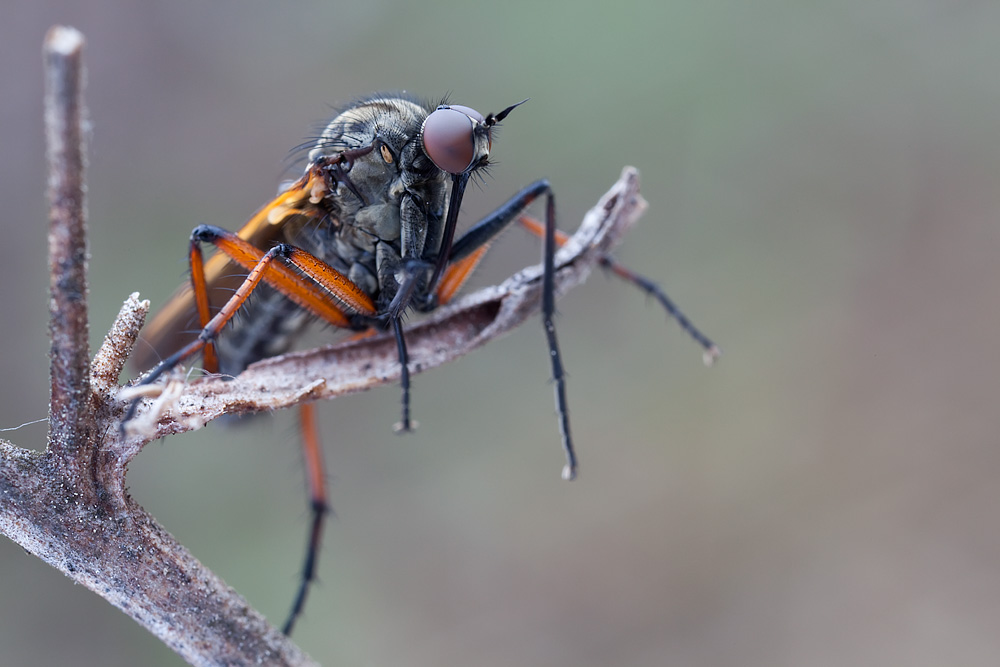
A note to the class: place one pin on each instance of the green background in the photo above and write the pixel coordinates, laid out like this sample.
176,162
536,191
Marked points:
823,187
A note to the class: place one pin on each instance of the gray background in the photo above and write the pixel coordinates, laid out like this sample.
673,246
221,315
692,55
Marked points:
823,188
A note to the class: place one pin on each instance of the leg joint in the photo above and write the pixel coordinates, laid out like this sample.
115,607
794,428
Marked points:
205,234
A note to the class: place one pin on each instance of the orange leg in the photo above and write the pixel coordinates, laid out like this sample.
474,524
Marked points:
199,287
320,294
313,285
457,273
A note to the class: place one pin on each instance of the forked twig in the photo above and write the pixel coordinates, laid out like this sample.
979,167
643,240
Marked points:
68,505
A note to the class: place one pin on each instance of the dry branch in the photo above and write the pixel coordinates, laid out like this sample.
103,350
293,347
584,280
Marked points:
68,505
68,332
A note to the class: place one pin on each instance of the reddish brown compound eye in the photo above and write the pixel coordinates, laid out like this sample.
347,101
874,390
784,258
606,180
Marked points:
468,111
449,137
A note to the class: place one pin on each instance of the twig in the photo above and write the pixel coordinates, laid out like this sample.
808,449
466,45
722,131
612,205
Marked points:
64,113
68,506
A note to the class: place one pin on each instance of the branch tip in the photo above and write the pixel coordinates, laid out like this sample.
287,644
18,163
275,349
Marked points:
118,343
68,328
63,40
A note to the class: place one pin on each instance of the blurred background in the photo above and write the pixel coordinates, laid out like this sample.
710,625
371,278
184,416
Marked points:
824,202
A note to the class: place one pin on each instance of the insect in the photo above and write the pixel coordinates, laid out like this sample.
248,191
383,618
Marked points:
367,233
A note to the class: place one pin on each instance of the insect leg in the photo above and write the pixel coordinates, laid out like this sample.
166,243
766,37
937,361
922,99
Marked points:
406,424
484,231
318,506
412,270
466,252
313,285
211,330
548,313
711,350
199,288
457,273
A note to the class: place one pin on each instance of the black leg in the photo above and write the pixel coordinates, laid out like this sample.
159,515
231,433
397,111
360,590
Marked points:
548,313
483,233
318,512
406,424
487,229
711,350
413,270
318,508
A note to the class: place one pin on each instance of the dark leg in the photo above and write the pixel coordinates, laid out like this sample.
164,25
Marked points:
482,234
470,248
486,229
711,350
318,508
413,269
548,313
406,424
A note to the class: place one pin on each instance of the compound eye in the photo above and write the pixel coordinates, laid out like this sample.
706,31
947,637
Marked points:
449,137
468,111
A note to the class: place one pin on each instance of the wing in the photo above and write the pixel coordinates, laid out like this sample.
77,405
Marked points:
176,323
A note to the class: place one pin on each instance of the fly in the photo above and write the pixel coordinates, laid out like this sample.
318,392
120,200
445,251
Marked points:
367,233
